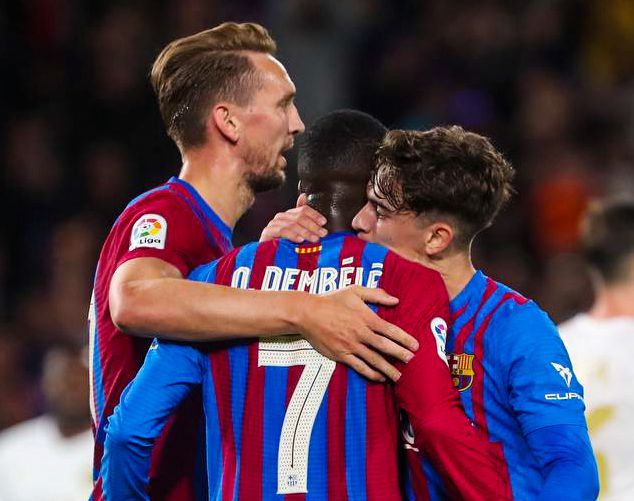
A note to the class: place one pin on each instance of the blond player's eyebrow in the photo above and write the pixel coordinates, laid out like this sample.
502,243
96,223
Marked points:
287,98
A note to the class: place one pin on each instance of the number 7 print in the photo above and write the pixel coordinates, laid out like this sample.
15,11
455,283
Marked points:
292,463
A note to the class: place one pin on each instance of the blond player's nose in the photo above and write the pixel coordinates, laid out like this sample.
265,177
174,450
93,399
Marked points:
295,123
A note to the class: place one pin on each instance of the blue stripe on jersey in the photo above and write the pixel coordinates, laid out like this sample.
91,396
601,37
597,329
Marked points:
355,453
372,253
98,391
205,272
214,454
435,485
206,209
318,451
275,383
407,482
239,369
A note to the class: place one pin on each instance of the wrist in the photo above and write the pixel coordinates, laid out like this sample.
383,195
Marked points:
296,306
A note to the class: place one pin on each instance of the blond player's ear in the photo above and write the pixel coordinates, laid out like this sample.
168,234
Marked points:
302,200
222,118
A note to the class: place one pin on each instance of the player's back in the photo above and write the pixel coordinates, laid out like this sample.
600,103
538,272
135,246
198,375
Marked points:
283,419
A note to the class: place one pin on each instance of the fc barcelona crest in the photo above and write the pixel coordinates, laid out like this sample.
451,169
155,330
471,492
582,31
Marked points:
461,366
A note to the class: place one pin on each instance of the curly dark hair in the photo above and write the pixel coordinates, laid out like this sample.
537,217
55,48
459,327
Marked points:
445,171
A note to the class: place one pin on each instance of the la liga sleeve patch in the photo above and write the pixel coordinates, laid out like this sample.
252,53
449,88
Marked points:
149,231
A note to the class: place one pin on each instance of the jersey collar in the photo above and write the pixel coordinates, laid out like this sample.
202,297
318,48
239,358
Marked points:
473,288
205,207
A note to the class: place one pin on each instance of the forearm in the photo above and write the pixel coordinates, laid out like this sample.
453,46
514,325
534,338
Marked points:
195,311
566,462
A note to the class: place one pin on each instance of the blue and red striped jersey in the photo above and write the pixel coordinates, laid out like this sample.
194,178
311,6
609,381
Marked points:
283,421
514,376
173,223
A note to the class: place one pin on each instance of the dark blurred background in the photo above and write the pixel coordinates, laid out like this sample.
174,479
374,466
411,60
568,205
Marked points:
550,81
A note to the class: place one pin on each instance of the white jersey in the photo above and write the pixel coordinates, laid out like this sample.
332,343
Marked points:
38,463
601,351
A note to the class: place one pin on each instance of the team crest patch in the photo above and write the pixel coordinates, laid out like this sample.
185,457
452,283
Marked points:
149,231
461,366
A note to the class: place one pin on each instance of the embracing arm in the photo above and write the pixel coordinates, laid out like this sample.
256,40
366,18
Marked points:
148,297
167,376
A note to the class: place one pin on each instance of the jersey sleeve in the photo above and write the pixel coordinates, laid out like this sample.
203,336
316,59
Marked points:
471,466
566,462
543,389
164,227
167,376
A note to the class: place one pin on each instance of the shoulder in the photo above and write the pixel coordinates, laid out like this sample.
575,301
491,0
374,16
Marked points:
412,274
162,198
417,287
513,308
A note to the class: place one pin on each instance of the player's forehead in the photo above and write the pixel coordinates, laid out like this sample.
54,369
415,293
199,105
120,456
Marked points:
376,196
272,72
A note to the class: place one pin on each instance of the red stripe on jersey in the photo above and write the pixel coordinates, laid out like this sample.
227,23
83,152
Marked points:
417,475
221,371
337,392
251,457
220,368
458,313
264,256
467,329
477,389
352,247
381,421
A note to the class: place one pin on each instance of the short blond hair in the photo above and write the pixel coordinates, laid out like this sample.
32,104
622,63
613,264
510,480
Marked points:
192,73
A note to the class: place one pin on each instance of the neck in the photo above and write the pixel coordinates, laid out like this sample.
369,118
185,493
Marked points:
338,222
455,269
338,206
218,177
613,301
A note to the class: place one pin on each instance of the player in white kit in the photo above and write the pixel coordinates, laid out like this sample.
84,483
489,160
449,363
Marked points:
601,344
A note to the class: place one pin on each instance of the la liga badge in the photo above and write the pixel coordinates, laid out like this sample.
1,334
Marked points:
149,231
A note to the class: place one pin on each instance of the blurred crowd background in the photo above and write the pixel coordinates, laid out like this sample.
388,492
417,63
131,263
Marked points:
550,81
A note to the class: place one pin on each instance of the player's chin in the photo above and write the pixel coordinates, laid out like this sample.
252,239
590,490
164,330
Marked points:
265,182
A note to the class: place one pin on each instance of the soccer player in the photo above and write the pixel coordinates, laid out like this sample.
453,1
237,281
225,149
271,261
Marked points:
599,341
281,418
228,105
431,193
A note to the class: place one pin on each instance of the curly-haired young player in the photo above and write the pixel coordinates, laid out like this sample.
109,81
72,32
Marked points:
432,192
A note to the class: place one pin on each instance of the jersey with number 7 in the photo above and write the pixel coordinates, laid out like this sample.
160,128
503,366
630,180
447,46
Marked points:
282,420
